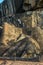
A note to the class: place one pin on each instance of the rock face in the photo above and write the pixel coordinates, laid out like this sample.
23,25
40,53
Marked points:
8,8
37,31
38,35
11,33
22,32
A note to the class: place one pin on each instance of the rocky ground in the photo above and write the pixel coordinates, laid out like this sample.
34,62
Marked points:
25,41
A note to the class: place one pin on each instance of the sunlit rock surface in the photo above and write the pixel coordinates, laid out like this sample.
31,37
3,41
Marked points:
10,33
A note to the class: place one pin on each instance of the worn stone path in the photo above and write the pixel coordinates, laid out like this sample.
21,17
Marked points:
8,62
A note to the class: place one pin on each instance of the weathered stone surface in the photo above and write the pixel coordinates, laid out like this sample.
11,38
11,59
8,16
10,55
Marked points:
10,33
14,36
6,62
